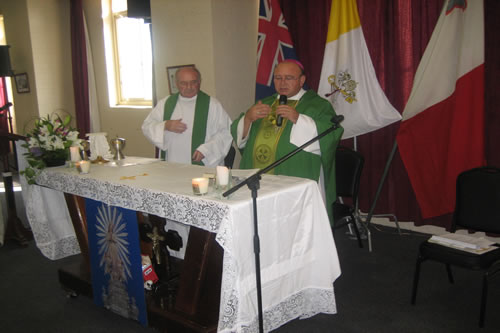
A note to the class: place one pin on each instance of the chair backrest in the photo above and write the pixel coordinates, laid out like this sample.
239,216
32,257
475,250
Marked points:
348,167
477,204
229,159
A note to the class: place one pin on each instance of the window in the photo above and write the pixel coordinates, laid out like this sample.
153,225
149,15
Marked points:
128,56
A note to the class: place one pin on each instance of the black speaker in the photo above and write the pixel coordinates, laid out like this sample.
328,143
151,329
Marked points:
5,69
139,9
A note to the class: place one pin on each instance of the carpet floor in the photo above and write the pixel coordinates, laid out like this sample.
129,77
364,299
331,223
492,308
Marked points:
372,294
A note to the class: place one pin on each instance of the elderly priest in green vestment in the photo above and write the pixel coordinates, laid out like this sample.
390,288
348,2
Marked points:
305,115
189,127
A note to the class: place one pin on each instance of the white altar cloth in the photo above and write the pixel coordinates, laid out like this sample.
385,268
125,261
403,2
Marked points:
299,260
47,215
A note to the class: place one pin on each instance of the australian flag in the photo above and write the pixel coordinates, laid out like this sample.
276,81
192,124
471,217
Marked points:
274,44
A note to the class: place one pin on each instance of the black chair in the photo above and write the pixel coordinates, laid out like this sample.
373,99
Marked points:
476,209
348,167
229,159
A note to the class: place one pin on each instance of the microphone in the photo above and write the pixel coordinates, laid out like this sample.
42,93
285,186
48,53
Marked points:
279,119
336,120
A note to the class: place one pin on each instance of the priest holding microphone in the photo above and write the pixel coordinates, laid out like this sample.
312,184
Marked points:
278,124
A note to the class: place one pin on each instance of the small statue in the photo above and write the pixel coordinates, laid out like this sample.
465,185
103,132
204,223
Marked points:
160,254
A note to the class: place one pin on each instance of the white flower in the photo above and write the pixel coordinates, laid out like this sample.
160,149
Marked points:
57,143
33,143
72,136
44,138
44,131
78,143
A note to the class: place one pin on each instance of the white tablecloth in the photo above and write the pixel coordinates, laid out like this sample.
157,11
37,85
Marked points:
47,215
299,260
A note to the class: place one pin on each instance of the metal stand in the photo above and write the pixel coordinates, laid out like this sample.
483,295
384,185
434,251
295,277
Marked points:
377,194
253,183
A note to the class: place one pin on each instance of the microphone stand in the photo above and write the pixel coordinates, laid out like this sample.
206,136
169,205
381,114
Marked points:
253,183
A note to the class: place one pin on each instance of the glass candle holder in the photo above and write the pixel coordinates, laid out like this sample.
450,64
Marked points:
83,166
200,186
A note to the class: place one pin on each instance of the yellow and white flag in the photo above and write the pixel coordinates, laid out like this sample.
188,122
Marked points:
348,78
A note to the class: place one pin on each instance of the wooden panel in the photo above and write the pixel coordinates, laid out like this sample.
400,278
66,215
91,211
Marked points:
76,208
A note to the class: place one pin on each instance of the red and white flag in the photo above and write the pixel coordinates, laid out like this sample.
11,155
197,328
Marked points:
442,132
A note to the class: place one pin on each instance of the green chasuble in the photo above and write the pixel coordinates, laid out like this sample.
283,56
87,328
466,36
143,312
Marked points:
199,122
302,164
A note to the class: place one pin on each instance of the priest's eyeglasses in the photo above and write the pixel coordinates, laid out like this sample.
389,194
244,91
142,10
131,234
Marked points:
185,84
286,78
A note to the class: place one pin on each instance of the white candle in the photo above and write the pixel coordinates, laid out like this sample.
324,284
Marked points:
85,166
75,154
222,175
200,185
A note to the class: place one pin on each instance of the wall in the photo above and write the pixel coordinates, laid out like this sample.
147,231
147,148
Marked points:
39,35
235,48
51,43
219,36
17,31
182,34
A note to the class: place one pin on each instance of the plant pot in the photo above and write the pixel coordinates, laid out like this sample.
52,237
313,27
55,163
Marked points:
55,157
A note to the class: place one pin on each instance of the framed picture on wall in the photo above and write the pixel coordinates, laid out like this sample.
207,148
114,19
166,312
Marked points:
172,87
22,83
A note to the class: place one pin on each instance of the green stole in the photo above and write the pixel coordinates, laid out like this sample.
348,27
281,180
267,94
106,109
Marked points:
199,122
268,136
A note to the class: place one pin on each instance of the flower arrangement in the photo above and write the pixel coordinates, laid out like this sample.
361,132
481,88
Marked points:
48,144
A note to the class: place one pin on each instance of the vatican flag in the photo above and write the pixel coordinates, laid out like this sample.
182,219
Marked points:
348,78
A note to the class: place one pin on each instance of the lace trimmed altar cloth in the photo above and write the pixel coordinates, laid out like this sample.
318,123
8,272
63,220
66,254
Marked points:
47,215
298,257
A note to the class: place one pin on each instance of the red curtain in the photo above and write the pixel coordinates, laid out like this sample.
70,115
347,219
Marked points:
80,73
396,33
4,121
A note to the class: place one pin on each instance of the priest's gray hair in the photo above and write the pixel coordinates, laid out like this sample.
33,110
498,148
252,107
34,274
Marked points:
190,67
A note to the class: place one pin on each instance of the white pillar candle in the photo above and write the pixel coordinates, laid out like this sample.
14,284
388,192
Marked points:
85,166
222,175
75,154
200,185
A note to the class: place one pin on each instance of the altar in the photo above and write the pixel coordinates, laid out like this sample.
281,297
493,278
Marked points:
298,256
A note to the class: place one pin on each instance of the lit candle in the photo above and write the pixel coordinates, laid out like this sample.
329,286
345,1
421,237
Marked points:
75,154
85,166
200,185
222,175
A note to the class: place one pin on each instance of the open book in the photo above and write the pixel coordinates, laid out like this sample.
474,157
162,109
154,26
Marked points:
477,245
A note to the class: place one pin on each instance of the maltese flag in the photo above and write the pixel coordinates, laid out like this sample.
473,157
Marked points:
442,132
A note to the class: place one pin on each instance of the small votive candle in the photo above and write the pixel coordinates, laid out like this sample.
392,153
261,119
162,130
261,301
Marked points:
75,154
84,166
200,186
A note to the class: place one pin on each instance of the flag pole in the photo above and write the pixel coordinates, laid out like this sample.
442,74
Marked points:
379,189
377,194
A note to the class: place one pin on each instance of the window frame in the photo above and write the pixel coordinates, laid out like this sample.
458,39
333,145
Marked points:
120,100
